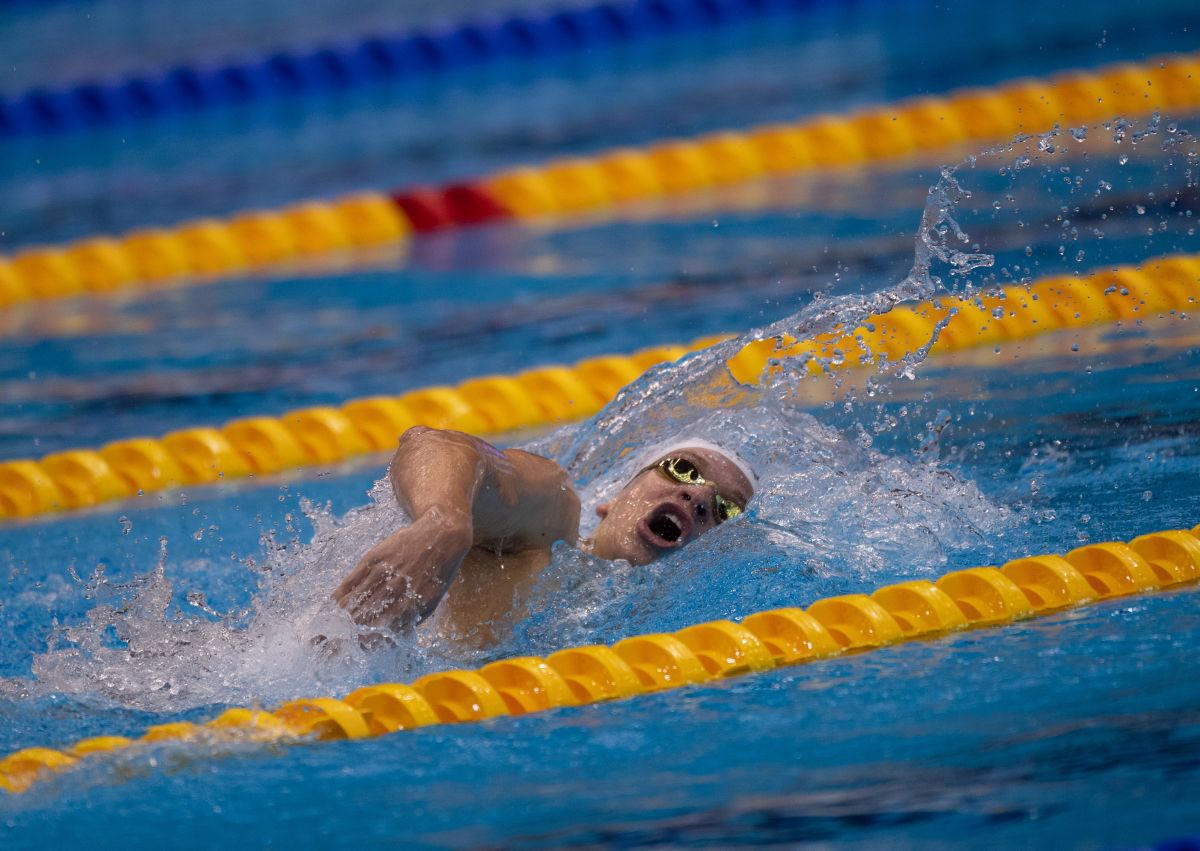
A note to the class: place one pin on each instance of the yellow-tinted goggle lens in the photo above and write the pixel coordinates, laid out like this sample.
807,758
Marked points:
684,471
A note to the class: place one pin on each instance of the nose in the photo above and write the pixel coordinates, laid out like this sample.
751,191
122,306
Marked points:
701,507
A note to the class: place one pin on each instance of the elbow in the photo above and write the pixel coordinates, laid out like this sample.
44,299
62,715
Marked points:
430,463
411,446
418,441
421,438
413,436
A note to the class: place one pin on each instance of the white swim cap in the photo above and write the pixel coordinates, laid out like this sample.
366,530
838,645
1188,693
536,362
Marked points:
652,453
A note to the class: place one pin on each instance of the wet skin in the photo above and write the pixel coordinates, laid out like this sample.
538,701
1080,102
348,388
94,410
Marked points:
484,522
654,514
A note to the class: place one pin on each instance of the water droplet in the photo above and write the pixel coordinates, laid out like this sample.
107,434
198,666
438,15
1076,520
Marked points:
997,312
1124,158
1147,496
126,524
1074,347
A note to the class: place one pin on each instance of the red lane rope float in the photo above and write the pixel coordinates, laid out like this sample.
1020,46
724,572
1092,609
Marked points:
256,241
917,609
546,395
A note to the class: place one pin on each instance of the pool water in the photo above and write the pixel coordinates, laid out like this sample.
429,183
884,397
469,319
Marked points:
1077,729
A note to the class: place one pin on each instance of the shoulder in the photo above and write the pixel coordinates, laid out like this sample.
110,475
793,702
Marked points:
539,466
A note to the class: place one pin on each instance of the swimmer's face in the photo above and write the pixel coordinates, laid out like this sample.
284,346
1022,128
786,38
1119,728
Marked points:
655,513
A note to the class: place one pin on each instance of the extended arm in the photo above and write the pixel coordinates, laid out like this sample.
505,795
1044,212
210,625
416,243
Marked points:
460,492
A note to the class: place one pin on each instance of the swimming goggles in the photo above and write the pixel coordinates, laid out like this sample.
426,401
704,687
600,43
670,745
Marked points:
685,472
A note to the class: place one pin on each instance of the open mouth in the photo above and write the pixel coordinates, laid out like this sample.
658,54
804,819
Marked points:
666,527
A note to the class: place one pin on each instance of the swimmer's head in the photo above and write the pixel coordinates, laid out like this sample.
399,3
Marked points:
678,495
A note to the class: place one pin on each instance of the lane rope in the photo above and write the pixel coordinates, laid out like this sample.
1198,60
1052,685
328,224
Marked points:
549,395
412,55
916,609
211,249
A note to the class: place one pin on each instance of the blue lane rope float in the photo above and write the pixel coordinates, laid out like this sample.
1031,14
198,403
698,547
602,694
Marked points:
370,59
19,3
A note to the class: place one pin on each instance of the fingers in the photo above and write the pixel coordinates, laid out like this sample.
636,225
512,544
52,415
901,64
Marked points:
395,585
379,596
367,599
376,556
374,641
353,582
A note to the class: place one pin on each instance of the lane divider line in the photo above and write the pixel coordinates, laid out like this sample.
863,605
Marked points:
915,609
252,242
548,395
412,55
415,54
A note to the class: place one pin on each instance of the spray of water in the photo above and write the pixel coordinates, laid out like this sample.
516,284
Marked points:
134,649
832,511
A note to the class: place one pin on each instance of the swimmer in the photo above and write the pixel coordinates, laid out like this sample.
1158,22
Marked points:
484,521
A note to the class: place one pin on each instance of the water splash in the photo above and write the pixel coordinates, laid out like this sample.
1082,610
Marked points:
835,511
670,397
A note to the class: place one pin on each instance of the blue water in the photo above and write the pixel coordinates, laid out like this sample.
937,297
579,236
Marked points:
831,58
1075,730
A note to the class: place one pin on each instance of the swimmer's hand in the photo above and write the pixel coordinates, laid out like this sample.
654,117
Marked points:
400,581
461,492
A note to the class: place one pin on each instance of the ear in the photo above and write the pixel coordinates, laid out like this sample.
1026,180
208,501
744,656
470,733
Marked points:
602,510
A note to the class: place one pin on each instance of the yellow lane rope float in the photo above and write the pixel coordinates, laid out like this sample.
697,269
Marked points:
548,395
249,242
916,609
